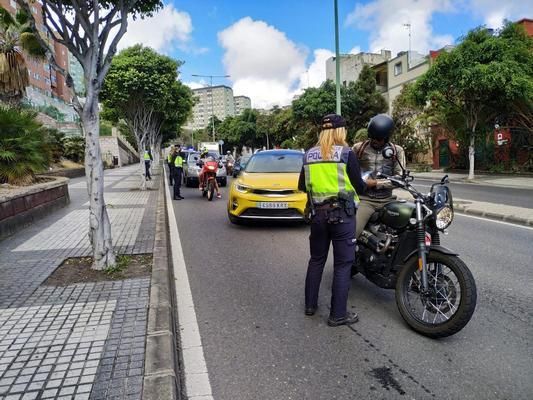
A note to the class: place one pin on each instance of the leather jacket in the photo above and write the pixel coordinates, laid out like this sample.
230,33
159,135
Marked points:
371,159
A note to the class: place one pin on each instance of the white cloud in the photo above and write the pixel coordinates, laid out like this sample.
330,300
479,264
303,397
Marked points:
316,72
355,50
196,84
169,28
384,20
494,12
263,63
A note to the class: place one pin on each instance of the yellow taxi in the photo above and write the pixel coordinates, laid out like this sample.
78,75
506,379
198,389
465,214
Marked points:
267,189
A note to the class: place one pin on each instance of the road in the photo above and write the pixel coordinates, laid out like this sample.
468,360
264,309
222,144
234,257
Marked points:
478,192
247,285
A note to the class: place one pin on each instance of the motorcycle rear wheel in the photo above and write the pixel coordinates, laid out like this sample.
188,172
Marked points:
451,299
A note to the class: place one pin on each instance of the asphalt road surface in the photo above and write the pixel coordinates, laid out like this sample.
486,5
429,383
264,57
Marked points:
248,287
492,194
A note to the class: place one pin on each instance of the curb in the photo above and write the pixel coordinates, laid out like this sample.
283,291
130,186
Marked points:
161,372
491,215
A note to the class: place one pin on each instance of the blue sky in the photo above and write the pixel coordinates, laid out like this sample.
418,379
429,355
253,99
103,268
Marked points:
273,48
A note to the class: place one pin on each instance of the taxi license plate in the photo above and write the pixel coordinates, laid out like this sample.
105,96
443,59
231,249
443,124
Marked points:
272,204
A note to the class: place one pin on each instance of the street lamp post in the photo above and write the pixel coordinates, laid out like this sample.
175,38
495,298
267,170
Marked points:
337,61
212,100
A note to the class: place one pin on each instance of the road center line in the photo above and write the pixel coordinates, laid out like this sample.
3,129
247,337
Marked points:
495,221
197,385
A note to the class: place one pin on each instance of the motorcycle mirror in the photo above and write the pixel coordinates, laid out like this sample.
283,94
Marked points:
387,152
444,180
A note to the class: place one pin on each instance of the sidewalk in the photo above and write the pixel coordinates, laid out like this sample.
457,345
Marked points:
510,181
83,340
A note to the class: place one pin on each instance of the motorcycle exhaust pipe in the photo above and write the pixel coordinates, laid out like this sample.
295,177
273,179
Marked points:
374,243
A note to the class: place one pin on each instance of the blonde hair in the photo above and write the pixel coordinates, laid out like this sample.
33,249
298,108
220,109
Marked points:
329,138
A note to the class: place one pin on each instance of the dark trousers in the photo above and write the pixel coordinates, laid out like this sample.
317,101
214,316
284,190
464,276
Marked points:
170,174
343,237
177,181
147,170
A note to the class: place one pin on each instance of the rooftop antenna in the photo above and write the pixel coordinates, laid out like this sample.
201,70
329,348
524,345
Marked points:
408,26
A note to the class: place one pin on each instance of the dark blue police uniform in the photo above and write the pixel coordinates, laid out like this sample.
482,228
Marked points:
332,203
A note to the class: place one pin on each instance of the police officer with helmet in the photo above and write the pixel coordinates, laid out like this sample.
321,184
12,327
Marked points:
332,178
369,155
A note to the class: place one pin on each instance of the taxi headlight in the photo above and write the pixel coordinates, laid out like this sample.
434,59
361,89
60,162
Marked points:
444,217
242,188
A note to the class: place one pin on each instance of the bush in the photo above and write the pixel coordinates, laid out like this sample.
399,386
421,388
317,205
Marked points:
74,148
24,150
54,140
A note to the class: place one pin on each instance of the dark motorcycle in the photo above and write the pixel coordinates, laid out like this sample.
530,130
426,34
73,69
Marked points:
400,249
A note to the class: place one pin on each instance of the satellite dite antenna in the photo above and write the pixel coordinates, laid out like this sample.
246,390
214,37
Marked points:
408,26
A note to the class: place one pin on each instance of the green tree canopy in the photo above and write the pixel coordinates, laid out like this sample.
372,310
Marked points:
360,102
142,89
485,76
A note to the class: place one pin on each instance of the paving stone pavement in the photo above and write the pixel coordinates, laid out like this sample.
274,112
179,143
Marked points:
82,341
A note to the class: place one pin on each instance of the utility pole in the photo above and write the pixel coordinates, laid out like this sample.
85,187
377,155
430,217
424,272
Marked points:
212,100
408,26
337,61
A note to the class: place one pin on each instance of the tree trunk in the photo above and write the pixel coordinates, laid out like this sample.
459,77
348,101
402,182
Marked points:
142,165
99,224
471,154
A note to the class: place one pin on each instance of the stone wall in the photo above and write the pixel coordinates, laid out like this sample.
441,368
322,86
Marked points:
21,208
117,146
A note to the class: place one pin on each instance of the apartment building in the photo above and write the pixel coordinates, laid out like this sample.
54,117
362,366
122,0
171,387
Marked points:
241,104
212,100
351,65
47,87
392,75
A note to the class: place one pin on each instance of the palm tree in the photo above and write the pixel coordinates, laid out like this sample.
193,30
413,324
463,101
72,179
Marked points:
16,37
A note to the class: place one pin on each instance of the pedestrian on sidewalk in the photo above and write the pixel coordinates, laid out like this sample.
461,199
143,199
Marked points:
170,162
330,176
147,161
178,173
369,156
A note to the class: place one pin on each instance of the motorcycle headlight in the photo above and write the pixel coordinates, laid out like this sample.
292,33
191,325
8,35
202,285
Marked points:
444,217
241,188
211,168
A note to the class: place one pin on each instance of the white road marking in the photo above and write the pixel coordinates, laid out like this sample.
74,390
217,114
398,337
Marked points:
197,385
495,221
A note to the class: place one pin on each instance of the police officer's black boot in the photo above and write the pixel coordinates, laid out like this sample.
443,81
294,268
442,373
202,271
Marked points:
309,311
349,319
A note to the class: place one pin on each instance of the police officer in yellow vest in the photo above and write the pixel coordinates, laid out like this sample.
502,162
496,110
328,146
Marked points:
170,162
332,178
178,173
147,161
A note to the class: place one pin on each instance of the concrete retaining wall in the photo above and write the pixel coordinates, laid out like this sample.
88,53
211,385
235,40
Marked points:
21,209
68,173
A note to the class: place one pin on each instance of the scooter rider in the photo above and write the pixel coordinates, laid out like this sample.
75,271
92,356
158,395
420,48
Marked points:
370,158
331,177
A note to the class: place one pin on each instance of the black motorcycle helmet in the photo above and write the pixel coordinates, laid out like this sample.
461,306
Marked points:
380,127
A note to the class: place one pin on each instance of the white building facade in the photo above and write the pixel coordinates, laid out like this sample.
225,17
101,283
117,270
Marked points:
213,100
241,104
351,65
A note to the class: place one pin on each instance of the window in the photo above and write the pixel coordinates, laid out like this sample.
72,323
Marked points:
397,69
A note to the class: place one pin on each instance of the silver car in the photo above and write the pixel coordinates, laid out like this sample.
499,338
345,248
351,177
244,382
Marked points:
191,170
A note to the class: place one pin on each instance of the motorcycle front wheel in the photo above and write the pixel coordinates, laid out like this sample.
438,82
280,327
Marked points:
210,190
450,301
